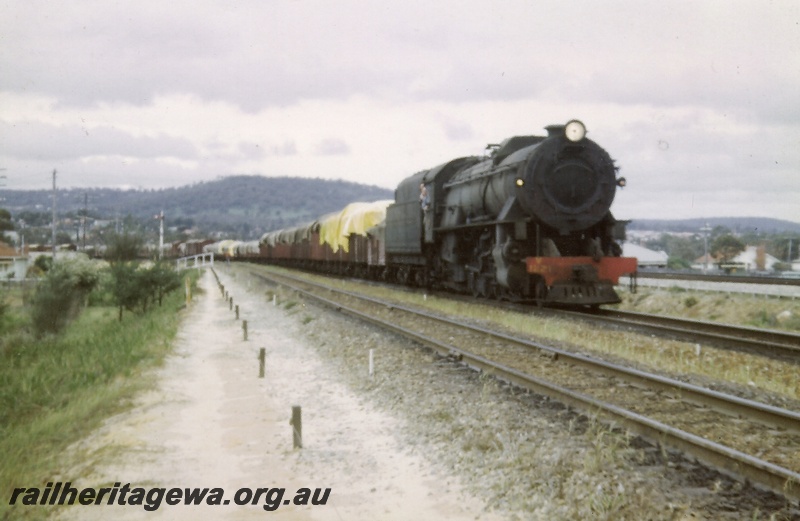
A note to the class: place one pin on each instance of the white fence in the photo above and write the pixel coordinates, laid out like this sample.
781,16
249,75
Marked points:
765,290
202,260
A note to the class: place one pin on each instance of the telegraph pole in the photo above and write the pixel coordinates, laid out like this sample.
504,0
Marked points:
54,215
160,218
83,219
705,229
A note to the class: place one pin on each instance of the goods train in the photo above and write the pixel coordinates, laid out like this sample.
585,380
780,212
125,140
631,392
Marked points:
529,221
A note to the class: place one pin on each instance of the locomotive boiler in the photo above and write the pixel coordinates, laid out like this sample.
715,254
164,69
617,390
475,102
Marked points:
531,221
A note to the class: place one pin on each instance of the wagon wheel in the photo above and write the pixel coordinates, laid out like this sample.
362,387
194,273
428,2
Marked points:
421,278
402,276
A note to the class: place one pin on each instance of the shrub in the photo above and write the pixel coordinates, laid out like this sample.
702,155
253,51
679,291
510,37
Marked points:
135,288
61,294
160,279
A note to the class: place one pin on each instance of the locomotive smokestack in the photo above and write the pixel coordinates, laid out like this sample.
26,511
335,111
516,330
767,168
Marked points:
555,130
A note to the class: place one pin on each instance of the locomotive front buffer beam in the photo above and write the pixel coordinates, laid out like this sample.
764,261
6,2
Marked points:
578,280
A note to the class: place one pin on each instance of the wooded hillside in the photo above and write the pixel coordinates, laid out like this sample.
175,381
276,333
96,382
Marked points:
244,206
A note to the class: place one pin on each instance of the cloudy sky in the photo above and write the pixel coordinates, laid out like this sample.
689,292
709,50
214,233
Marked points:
698,101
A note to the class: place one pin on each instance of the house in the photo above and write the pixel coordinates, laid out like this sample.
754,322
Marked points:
705,262
645,258
754,258
13,265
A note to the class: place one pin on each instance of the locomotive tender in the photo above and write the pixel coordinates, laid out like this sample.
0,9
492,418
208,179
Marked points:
529,222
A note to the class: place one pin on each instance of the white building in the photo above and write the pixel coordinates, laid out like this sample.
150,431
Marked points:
645,258
13,266
750,259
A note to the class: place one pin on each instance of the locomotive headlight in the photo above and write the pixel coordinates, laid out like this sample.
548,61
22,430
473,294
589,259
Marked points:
575,130
520,182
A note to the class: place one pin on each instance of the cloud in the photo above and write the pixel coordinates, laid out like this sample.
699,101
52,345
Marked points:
332,147
288,148
458,130
34,140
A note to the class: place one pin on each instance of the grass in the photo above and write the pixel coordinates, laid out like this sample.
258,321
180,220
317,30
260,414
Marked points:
55,390
740,309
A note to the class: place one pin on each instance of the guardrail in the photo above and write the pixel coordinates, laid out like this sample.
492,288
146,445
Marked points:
202,260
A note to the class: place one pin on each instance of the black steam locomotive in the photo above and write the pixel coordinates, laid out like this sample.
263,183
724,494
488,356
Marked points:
531,221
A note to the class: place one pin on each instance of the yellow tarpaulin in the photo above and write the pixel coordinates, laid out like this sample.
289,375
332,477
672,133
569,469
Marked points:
335,229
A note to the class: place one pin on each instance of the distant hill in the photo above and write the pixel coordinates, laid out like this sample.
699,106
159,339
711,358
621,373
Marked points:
246,206
739,225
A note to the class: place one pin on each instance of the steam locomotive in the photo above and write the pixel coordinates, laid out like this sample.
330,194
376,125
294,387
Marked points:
530,221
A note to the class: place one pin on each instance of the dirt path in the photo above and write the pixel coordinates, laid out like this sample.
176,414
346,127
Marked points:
211,422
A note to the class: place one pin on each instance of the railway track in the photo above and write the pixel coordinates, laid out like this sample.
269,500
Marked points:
771,343
747,439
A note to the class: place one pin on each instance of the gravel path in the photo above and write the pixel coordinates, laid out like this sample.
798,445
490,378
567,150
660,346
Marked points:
423,438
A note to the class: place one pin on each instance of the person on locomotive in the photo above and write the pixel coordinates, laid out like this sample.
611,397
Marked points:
425,206
424,200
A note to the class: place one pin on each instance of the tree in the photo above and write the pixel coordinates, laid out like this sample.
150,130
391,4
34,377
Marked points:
131,286
682,250
126,287
123,247
6,225
726,247
161,279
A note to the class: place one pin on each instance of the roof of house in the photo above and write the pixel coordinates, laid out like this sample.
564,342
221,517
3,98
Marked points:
644,255
8,251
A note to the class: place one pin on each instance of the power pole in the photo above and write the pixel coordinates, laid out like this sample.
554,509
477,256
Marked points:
160,218
705,229
83,219
54,215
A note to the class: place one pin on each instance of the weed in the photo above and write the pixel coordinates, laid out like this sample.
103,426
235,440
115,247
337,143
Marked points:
762,318
606,445
57,389
606,505
641,297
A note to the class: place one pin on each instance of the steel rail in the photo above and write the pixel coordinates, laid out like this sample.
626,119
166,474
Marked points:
736,463
782,345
